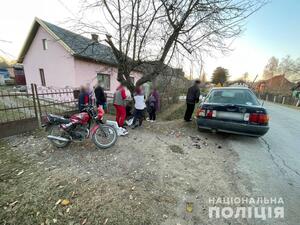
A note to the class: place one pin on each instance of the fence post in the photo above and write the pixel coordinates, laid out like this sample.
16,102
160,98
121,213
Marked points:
34,104
267,97
283,100
274,99
38,108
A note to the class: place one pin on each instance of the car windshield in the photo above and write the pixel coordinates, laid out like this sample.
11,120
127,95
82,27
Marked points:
232,96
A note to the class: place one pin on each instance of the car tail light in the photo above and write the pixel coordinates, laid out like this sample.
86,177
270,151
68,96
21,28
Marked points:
200,112
206,113
258,118
211,113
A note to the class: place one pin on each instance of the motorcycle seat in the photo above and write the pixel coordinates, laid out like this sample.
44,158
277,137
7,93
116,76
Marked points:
57,119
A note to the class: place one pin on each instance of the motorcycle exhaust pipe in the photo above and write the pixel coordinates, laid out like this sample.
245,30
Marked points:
57,138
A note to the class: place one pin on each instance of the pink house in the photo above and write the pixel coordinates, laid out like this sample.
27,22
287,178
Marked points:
55,57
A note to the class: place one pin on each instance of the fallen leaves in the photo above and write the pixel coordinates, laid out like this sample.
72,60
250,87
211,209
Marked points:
65,202
189,207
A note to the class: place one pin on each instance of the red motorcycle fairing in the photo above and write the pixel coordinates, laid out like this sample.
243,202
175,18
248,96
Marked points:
82,118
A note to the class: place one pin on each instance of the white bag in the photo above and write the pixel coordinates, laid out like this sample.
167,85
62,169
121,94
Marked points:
129,122
120,130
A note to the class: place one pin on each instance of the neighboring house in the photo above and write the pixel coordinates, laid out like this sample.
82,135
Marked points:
18,74
275,85
55,57
4,75
296,90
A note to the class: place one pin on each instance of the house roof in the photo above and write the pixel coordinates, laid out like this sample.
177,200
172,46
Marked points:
78,45
276,84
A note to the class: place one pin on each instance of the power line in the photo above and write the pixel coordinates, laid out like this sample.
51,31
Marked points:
7,54
5,41
67,8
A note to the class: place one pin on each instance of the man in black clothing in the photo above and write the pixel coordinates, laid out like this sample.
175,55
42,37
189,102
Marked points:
192,98
100,97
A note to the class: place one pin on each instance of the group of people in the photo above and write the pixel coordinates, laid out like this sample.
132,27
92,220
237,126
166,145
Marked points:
134,113
128,113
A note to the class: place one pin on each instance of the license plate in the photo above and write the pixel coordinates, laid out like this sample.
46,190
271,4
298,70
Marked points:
230,115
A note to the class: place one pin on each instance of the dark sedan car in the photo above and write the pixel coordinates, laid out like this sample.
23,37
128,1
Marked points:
233,110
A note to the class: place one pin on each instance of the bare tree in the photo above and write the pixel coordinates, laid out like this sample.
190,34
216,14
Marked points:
151,32
290,68
271,68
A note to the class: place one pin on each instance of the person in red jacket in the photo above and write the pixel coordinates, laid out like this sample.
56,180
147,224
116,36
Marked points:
120,105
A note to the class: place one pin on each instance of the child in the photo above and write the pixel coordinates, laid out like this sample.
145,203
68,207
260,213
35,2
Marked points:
152,107
139,106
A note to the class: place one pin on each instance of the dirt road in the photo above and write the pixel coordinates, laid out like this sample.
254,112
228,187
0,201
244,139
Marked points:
163,173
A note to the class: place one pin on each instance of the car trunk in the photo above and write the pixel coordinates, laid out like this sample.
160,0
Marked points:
231,112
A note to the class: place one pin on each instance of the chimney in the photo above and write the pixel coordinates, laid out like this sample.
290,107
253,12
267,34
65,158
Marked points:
95,37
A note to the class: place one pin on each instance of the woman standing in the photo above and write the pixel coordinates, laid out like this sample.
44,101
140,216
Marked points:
139,105
120,105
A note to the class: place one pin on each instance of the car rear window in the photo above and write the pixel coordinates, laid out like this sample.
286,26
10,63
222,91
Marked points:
232,96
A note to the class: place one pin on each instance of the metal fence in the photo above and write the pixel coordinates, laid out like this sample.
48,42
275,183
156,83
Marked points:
281,99
22,111
16,105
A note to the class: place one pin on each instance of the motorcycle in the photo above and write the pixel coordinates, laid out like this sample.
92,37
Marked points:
62,130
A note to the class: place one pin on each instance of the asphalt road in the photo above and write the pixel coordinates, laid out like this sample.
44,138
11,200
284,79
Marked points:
271,164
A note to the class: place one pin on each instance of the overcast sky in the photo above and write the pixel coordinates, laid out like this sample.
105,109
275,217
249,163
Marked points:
274,30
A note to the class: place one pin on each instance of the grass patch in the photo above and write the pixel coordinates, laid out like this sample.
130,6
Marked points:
173,112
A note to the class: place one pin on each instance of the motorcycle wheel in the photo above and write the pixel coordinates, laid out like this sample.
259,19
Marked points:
105,136
56,131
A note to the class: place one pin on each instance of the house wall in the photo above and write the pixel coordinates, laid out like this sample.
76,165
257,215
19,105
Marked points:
86,73
58,64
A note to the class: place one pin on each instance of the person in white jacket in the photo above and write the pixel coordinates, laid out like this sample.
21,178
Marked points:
139,105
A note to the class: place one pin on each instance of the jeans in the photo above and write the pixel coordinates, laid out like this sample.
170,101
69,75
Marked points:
152,113
138,115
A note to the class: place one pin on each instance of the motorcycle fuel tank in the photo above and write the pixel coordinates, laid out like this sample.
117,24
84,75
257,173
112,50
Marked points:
83,118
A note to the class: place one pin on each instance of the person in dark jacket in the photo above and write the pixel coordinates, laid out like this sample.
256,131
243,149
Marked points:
100,97
192,98
83,98
152,107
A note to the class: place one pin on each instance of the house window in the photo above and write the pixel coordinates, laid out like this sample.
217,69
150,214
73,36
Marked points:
42,75
104,80
45,44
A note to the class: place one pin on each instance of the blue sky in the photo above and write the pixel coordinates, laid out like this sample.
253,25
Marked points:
276,28
272,31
